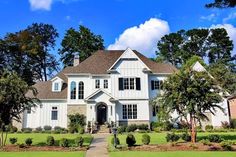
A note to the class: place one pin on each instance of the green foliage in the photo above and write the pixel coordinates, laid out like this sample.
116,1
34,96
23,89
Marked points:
28,141
233,123
206,142
186,137
13,129
13,140
225,125
79,141
82,42
208,127
50,141
76,121
113,141
222,4
172,137
227,145
26,130
47,128
146,139
131,128
39,129
64,142
121,129
81,130
130,140
214,138
142,127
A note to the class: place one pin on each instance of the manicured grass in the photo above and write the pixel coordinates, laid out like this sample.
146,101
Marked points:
172,154
160,138
42,154
41,137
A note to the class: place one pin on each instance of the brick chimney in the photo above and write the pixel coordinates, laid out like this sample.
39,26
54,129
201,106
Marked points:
76,60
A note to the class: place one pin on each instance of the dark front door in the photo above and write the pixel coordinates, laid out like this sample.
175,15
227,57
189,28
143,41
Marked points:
101,114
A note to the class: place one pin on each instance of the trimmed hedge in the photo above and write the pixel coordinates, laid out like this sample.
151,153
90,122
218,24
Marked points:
146,139
130,140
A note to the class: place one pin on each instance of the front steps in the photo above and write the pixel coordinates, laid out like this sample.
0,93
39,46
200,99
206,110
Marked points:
103,129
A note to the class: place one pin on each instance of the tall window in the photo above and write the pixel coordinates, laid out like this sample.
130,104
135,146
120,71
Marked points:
105,84
54,114
97,83
129,83
129,111
81,90
73,90
56,86
156,84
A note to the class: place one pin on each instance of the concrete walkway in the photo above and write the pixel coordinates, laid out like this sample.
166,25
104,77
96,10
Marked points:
98,147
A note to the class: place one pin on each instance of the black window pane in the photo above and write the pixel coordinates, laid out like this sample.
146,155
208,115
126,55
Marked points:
54,115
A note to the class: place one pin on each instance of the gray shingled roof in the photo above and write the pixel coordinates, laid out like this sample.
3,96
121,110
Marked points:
98,63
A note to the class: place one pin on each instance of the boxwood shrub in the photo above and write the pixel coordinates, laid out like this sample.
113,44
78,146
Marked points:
172,137
146,139
13,140
64,142
130,140
50,141
28,141
214,138
47,128
79,141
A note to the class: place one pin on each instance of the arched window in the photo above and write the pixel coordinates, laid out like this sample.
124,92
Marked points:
81,90
73,90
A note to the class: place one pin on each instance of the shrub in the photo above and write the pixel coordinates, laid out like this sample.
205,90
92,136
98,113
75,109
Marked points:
81,130
130,140
131,128
146,139
226,145
47,128
225,125
183,125
50,141
39,129
233,123
113,141
22,145
142,127
205,142
26,130
13,129
186,137
57,128
73,129
121,129
214,138
75,121
13,140
154,125
28,141
172,137
64,142
208,127
79,141
157,129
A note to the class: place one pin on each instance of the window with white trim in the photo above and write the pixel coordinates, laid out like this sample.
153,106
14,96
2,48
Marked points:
54,113
81,90
97,83
156,84
129,83
73,90
56,86
105,84
129,111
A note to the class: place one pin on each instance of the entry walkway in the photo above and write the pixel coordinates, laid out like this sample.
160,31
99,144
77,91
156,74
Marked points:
98,147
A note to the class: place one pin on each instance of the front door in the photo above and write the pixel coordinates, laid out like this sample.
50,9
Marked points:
101,114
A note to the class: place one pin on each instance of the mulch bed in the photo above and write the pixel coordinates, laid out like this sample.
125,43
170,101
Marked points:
15,148
179,147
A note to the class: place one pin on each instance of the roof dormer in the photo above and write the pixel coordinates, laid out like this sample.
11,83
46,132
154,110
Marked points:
57,83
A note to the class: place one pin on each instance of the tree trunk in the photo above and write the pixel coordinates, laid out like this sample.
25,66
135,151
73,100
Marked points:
193,133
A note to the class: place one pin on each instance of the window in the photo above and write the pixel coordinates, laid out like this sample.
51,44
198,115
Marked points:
73,90
156,84
81,90
129,111
97,83
56,86
105,84
129,83
54,115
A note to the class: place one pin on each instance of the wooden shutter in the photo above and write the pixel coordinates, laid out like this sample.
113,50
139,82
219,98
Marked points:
121,84
152,85
138,83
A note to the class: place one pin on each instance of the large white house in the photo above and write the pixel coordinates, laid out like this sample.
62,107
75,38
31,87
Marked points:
111,85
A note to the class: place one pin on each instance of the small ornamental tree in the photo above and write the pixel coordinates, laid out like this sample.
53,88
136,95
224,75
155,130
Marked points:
190,93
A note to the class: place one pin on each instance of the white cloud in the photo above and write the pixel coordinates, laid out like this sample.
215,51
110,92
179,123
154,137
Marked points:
68,17
231,30
143,38
231,16
46,4
211,17
40,4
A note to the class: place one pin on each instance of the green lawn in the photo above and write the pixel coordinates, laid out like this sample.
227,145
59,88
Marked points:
172,154
42,154
159,138
41,137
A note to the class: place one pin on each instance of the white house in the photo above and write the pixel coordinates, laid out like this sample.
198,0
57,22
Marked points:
111,85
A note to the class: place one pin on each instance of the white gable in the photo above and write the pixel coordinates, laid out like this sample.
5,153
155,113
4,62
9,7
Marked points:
57,83
198,67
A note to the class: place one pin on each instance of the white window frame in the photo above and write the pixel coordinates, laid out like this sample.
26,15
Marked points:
105,84
97,83
129,86
129,111
56,84
54,109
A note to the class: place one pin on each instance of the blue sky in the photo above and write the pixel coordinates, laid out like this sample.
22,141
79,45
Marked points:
138,24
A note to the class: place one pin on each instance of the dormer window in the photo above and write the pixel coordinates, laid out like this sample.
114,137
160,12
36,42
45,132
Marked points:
56,86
